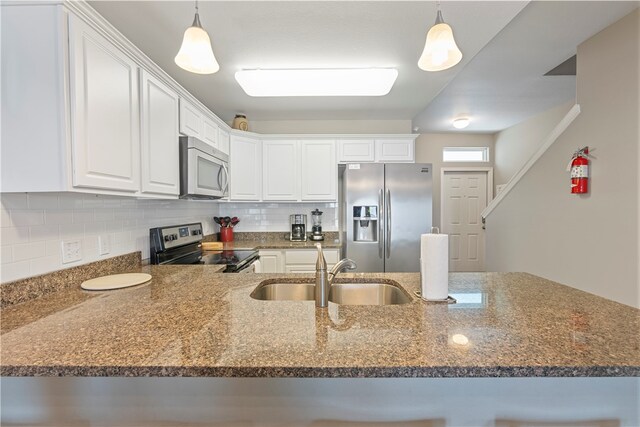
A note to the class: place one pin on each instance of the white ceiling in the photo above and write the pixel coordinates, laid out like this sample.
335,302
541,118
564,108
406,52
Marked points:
498,80
505,83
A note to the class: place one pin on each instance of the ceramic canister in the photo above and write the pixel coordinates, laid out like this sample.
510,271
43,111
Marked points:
240,122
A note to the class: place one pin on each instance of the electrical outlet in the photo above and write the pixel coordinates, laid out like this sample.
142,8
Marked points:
71,251
103,245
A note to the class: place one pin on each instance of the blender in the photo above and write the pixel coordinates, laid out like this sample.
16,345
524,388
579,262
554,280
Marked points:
316,230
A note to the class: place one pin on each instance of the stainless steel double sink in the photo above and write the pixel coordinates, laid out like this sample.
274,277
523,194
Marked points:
375,292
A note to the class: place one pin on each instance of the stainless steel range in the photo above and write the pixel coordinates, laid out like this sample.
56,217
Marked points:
182,244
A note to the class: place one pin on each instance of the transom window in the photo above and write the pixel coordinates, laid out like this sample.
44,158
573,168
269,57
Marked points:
465,154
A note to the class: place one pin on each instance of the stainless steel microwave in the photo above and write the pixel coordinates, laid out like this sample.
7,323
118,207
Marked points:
204,170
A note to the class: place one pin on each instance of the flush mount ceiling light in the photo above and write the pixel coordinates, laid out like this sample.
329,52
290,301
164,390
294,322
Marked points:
195,54
318,82
440,50
461,122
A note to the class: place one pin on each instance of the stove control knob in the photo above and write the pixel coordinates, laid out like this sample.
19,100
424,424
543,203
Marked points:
174,237
167,238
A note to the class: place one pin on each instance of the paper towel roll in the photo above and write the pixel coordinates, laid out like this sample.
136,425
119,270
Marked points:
434,266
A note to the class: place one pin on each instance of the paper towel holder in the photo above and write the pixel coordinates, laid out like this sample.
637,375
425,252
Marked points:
449,300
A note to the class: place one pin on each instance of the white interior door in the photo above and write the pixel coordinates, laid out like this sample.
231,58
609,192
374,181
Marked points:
464,196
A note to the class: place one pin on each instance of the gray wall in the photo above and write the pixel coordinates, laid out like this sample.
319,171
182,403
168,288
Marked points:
515,146
589,241
429,150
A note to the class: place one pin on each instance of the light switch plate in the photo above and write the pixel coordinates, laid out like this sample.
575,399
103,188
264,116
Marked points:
71,251
103,244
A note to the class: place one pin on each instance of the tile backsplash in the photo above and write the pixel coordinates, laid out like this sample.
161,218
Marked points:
275,216
34,225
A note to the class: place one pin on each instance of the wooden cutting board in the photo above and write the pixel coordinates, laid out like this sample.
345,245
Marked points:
115,281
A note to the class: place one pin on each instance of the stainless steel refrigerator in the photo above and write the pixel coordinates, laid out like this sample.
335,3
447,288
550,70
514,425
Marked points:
384,210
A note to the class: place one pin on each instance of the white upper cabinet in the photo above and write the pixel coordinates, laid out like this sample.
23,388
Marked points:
191,120
356,150
104,105
319,170
280,163
223,140
94,114
194,122
245,168
378,149
210,132
34,139
292,170
395,150
159,132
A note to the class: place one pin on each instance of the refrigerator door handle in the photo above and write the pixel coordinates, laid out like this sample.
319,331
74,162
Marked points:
388,219
380,226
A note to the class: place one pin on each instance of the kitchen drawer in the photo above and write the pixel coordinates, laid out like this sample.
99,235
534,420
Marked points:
300,268
309,256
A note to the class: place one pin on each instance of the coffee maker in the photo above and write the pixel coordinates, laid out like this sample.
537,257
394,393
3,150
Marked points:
316,229
298,224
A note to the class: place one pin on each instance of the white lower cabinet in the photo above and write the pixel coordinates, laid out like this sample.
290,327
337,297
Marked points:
295,260
271,261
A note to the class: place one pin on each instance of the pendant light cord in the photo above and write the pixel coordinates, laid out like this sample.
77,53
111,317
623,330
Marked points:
439,19
196,19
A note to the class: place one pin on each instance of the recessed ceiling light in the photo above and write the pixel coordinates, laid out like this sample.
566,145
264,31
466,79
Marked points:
461,122
318,82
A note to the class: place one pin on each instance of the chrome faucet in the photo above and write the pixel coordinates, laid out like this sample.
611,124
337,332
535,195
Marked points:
343,264
324,280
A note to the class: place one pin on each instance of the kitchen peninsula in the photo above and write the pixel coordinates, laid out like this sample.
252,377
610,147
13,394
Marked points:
190,321
178,346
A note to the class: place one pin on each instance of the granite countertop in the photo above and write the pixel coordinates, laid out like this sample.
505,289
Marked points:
277,241
190,321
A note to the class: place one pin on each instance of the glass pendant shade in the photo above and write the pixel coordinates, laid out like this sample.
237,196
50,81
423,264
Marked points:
195,54
440,50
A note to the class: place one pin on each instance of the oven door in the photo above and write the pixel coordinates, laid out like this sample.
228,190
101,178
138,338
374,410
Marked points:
207,175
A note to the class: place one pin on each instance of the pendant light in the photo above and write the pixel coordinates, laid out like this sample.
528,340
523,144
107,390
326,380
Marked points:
440,50
195,54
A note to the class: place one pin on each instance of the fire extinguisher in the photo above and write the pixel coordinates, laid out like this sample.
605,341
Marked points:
580,171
